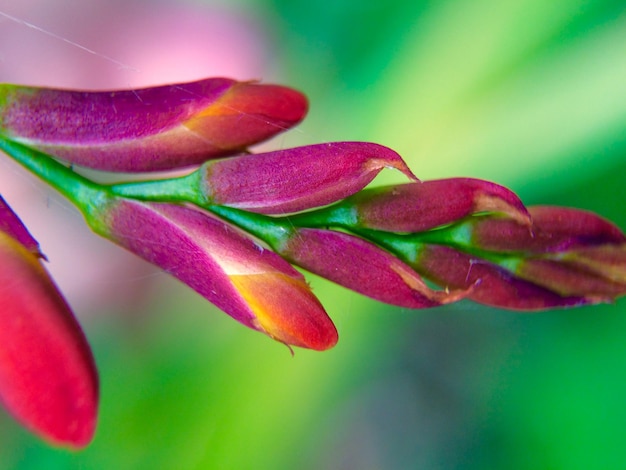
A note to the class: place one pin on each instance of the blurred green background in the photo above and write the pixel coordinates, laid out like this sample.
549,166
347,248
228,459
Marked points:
528,93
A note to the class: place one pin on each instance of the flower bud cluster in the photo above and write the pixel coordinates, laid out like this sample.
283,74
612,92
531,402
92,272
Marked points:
233,226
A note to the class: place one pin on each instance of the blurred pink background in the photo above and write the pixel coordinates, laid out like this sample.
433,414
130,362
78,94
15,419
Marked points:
132,44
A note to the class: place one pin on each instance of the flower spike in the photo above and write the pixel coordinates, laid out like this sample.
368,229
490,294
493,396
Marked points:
48,378
149,129
210,228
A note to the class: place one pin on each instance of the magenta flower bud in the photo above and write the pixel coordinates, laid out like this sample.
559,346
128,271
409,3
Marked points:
566,257
253,285
490,284
296,179
554,229
416,207
48,378
362,267
148,129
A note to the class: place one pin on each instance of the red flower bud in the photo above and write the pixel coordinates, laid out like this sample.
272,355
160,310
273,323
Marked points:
48,379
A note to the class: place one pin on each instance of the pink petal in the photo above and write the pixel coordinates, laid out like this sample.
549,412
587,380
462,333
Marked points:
149,129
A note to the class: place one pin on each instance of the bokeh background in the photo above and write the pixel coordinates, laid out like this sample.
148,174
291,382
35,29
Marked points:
528,93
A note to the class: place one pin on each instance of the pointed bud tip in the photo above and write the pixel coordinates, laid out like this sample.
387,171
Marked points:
11,224
75,436
316,339
274,101
384,157
277,104
246,114
286,309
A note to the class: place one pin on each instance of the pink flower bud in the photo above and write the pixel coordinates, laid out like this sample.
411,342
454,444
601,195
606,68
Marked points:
554,229
416,207
253,285
363,267
296,179
148,129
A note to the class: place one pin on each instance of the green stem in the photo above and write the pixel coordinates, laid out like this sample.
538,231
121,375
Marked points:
83,193
273,231
181,189
408,246
338,215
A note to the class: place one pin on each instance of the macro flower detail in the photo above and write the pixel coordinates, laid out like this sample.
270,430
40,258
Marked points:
148,129
566,257
48,379
253,285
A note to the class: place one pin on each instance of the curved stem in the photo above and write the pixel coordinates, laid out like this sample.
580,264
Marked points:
181,189
408,246
338,215
273,231
82,192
